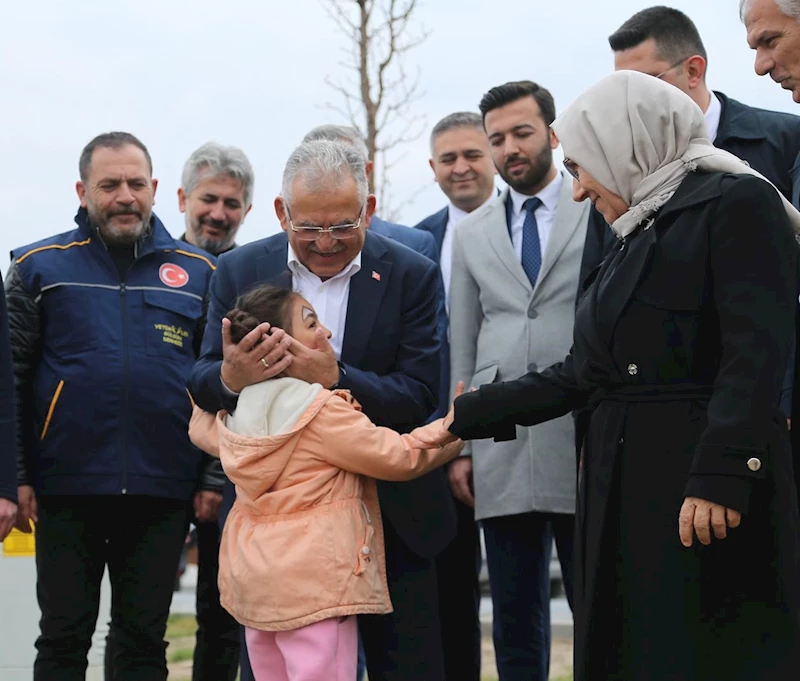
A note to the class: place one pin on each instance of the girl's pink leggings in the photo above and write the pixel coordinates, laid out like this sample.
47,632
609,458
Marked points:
325,651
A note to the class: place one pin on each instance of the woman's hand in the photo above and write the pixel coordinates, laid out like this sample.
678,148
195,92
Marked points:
437,433
701,517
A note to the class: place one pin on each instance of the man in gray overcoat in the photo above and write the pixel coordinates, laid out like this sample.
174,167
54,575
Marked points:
515,272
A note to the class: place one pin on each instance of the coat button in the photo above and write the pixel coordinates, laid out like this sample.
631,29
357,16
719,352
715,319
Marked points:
365,550
754,464
532,313
633,369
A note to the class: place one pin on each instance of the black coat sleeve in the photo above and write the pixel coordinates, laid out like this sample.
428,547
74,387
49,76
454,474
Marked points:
24,323
753,264
8,422
495,409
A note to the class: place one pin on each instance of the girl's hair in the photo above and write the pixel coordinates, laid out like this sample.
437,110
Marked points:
270,304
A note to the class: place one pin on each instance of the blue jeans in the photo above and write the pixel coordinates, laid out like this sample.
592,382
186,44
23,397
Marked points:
518,552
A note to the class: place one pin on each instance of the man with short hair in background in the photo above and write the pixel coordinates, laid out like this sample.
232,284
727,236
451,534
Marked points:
215,196
106,322
462,166
514,279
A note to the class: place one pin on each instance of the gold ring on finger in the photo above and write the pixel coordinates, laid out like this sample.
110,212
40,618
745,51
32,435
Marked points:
265,363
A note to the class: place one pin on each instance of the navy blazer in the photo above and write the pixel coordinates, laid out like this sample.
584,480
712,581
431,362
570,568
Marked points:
436,225
390,352
416,241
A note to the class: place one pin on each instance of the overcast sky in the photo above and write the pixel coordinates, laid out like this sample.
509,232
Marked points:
178,73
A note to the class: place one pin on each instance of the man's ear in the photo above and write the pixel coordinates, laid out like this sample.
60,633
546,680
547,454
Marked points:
695,71
281,212
80,188
182,200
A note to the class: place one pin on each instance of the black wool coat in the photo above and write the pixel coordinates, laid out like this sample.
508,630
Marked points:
680,346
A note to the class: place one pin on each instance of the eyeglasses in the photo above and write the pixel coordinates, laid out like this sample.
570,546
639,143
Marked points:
666,71
572,168
339,232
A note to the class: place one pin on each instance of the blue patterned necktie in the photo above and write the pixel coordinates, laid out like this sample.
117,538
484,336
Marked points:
531,248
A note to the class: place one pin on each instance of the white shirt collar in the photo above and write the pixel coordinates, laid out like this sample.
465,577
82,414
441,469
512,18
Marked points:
296,266
549,195
713,115
456,215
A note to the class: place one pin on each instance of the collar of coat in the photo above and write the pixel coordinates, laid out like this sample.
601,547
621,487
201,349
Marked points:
738,121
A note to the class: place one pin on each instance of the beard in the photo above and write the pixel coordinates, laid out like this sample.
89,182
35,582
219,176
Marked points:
538,167
210,244
115,235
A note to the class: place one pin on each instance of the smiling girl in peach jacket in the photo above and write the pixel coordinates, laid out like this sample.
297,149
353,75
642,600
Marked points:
302,549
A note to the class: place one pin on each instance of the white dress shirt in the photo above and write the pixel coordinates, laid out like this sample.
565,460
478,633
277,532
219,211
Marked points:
454,216
713,115
329,298
545,214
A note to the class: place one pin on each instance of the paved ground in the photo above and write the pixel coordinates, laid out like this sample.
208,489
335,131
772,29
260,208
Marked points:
561,617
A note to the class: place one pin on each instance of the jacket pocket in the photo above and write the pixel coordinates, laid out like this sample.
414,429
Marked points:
365,552
170,322
51,408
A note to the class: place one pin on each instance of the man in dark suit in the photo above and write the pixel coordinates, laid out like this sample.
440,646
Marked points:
463,168
420,242
380,301
665,43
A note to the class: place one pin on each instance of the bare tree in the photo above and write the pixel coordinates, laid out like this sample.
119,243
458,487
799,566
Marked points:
378,93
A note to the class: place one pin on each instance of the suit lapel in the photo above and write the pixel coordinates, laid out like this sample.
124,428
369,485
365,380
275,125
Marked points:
439,227
367,289
569,216
497,234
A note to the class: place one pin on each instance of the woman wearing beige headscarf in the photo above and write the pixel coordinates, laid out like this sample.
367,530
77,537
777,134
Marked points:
687,545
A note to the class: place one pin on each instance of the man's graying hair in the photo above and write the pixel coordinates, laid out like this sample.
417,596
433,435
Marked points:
791,8
339,133
215,160
460,119
322,163
109,140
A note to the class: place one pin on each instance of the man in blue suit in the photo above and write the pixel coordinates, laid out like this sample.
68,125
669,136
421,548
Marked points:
421,242
380,301
463,168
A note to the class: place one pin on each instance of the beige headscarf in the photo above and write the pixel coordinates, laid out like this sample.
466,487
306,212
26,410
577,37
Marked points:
639,137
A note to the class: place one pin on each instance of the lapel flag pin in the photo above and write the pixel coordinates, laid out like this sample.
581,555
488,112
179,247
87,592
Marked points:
376,276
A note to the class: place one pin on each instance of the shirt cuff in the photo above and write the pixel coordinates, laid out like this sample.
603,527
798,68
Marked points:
226,390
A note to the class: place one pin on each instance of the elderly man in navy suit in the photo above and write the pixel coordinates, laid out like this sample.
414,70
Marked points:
463,168
380,300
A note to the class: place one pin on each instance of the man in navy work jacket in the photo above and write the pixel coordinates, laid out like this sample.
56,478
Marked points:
106,322
380,300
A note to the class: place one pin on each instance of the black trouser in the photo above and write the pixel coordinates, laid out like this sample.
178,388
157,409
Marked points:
228,497
518,552
458,570
216,652
140,539
406,644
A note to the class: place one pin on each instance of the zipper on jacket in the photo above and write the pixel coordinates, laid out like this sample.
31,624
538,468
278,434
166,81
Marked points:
124,429
52,408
